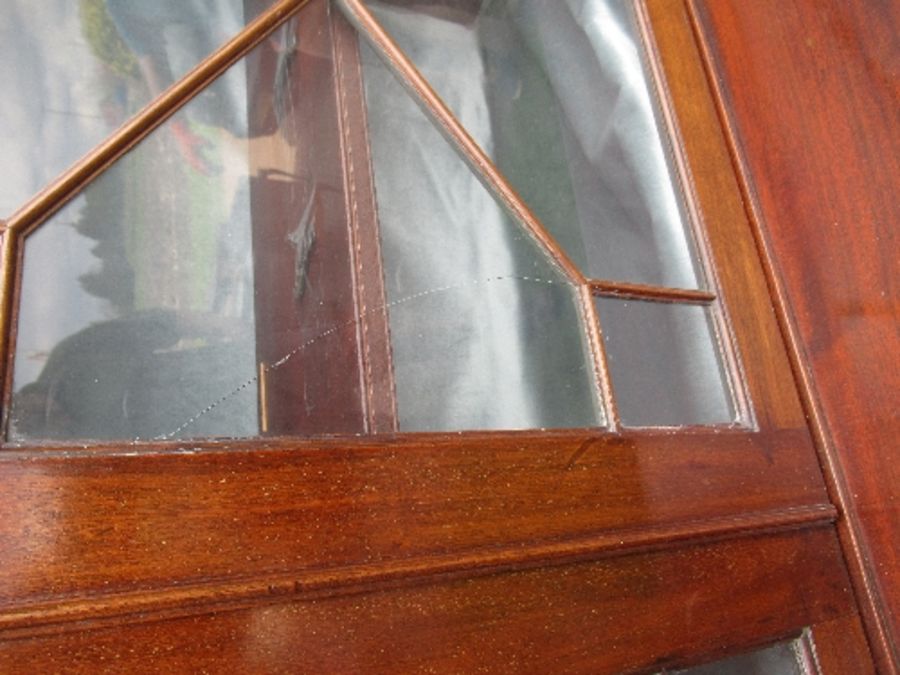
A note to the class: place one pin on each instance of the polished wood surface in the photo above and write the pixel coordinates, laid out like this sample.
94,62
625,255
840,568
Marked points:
106,524
812,90
629,291
635,614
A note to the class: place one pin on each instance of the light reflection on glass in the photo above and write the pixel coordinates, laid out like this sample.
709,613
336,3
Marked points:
144,313
492,336
73,71
573,123
665,364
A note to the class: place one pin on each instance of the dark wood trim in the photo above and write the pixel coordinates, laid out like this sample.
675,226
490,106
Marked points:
11,261
371,298
309,335
629,291
838,647
805,649
8,271
750,329
697,226
673,141
79,524
305,583
636,613
606,395
856,554
723,436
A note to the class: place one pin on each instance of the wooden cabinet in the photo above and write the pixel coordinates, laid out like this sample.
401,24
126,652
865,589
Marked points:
586,550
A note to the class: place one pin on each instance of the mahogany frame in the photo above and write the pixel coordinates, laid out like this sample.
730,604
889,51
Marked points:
859,554
108,548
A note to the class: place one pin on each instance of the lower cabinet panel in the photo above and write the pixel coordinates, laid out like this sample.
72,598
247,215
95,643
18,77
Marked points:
636,613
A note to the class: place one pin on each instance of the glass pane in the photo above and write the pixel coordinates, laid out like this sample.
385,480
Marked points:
780,659
566,113
150,302
665,364
74,71
486,331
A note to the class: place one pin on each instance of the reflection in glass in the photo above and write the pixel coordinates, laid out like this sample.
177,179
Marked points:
779,659
148,303
211,293
486,331
79,69
664,363
571,120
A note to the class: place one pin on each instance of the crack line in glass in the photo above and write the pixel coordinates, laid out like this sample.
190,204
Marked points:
334,329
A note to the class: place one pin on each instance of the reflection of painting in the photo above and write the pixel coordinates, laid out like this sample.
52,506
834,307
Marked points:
149,316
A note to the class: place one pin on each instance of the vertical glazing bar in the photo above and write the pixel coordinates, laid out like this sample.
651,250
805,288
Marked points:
371,299
598,351
8,258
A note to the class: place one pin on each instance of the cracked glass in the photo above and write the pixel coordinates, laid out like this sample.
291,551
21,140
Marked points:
208,289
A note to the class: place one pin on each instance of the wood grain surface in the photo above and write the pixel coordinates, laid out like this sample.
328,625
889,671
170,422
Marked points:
634,614
813,91
81,524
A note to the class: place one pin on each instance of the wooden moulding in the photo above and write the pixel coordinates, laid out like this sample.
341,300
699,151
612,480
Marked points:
107,527
319,583
700,221
629,291
371,298
633,613
839,646
591,318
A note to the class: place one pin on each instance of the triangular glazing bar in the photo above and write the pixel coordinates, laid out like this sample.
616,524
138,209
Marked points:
447,123
69,183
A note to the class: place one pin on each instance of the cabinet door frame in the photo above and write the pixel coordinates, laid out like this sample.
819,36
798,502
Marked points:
121,537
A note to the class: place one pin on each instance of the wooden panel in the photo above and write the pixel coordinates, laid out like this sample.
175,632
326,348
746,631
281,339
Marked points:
621,615
74,523
812,89
305,294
